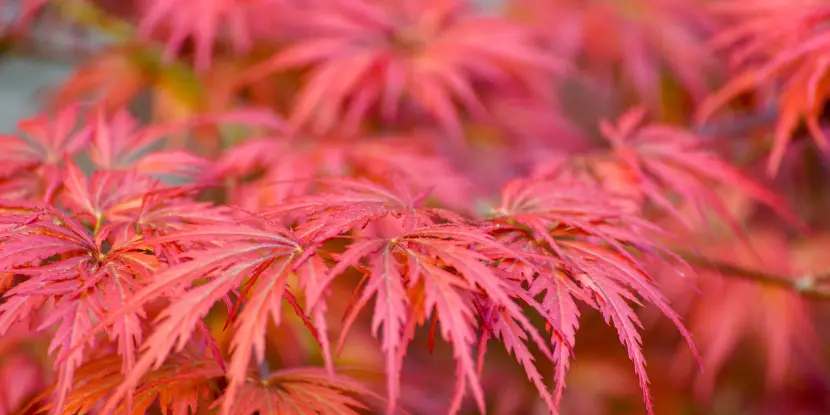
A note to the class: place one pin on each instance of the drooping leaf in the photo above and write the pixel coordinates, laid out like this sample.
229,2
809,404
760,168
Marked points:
439,262
582,244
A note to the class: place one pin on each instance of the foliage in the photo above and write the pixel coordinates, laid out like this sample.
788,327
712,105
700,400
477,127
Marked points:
310,175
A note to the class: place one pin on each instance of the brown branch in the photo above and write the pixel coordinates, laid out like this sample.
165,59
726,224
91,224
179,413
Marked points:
808,285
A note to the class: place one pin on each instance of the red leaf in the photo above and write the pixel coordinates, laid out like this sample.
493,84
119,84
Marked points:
431,54
304,390
579,242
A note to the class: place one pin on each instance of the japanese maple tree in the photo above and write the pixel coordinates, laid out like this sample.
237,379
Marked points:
245,207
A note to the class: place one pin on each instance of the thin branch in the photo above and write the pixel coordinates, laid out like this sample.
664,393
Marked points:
807,285
737,124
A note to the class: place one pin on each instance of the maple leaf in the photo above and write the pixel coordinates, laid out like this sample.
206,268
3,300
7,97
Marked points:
103,194
302,391
636,40
560,293
402,156
46,140
268,255
579,241
177,385
241,21
351,203
112,75
380,55
437,264
61,261
170,209
500,324
353,185
119,142
533,124
311,274
659,161
783,44
269,170
130,205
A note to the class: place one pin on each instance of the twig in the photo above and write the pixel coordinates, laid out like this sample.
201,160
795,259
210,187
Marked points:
737,124
808,285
